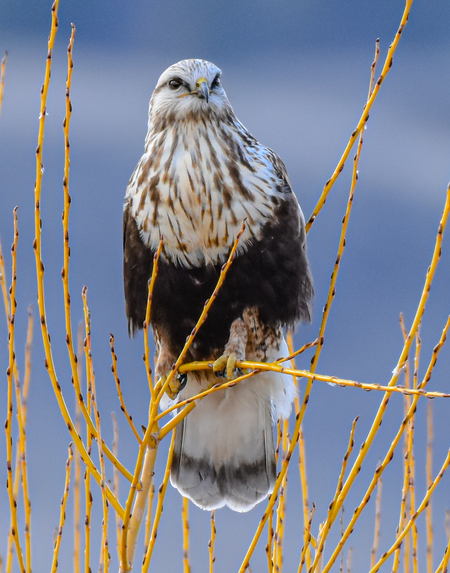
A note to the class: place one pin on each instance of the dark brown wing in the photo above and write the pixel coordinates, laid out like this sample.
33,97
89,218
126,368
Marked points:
291,218
137,270
272,274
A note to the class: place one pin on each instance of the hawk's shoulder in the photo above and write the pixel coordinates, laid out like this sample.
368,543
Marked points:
280,170
137,270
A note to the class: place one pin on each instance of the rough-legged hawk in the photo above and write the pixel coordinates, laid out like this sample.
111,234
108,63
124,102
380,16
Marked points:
201,175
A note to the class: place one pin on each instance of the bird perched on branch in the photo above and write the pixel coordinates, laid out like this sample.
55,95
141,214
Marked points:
201,175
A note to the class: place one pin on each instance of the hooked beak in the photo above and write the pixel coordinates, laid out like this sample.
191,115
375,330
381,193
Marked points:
203,89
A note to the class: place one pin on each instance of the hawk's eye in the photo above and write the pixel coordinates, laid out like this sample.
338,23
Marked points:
216,82
175,83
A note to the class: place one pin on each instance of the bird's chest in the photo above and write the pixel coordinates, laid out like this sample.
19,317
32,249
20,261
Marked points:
196,194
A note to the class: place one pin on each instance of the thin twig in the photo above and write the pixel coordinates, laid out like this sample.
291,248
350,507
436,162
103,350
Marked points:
119,392
212,541
185,523
363,119
159,509
414,517
62,513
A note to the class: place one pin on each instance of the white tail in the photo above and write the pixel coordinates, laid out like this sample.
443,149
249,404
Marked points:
224,449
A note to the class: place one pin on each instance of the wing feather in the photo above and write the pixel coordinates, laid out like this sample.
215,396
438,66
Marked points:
137,270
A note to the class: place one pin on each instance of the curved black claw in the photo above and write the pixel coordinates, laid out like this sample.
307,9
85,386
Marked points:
221,373
182,378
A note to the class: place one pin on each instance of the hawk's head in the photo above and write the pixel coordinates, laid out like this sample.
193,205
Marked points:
187,89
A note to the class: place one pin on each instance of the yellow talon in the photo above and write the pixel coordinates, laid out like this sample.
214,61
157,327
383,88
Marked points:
226,362
175,385
220,363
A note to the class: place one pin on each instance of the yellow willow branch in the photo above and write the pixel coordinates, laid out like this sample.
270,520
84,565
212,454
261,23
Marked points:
301,458
77,469
148,518
324,529
342,238
143,472
270,536
376,424
21,461
364,117
429,477
351,444
221,385
377,530
2,78
159,508
153,435
143,475
277,553
404,354
115,447
212,541
37,246
389,455
119,392
3,284
190,404
151,286
91,377
276,367
65,270
408,477
162,388
21,470
414,517
443,565
307,540
131,526
314,361
307,515
62,513
8,425
185,523
400,365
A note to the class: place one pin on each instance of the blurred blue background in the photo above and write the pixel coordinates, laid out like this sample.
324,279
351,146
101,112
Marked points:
297,75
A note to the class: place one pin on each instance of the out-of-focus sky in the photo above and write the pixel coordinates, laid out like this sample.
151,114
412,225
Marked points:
297,75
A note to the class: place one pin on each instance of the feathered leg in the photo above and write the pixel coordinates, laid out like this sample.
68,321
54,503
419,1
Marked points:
234,350
164,364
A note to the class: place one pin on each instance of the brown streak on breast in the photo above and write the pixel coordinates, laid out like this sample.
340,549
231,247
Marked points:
227,196
194,161
220,210
169,220
233,217
236,177
180,232
173,148
191,183
226,235
246,137
170,203
245,162
155,196
186,212
211,223
142,199
203,198
155,158
143,172
214,159
250,220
